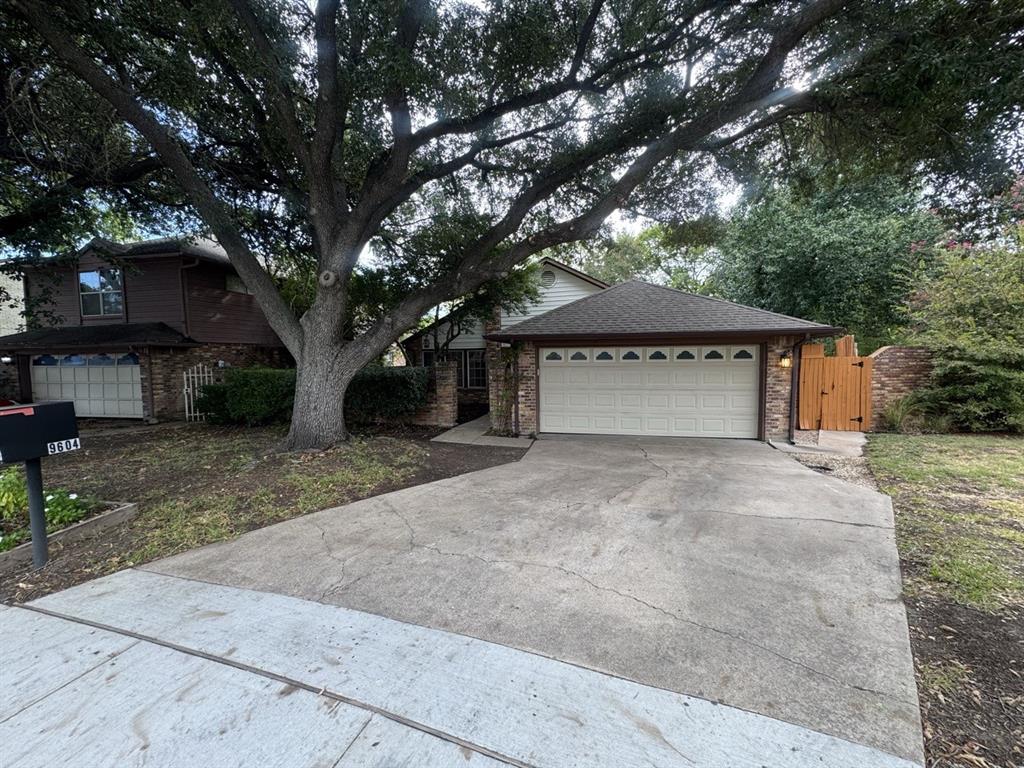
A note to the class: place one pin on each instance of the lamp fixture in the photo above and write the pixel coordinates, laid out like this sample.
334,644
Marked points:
786,360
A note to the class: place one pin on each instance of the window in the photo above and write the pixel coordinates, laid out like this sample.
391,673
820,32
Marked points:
101,292
685,354
553,356
630,355
474,369
579,355
656,354
742,354
713,354
604,356
470,365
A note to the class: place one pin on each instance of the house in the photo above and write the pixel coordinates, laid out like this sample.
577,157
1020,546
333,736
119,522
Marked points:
635,359
642,359
559,284
121,322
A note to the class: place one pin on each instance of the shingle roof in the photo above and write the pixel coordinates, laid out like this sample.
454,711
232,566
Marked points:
201,248
111,335
639,309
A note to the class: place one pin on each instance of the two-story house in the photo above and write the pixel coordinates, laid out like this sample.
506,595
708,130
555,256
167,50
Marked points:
117,324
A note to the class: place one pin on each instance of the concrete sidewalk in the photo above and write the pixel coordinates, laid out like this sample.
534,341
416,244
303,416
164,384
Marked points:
140,668
475,433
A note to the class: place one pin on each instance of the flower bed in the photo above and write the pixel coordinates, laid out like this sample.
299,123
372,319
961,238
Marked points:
63,508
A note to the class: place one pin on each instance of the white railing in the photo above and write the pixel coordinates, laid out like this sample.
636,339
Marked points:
195,379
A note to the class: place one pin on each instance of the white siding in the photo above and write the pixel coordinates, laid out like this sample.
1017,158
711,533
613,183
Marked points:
565,289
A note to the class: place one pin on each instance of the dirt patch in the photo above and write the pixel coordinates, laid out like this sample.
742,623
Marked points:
851,469
198,484
970,678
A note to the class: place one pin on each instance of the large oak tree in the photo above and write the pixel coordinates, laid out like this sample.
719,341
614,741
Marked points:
454,139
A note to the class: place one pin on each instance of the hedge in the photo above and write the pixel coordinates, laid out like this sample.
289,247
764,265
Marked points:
255,396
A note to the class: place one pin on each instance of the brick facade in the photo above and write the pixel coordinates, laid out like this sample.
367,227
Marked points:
162,369
897,371
442,408
778,387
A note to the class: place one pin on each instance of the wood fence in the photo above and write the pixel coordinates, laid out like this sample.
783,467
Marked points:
835,391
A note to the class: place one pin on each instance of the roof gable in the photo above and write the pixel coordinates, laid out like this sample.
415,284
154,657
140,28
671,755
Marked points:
639,309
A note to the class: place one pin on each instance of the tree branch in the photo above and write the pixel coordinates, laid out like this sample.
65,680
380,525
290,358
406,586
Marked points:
173,156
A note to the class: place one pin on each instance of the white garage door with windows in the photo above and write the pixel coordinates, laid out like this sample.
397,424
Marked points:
101,385
689,391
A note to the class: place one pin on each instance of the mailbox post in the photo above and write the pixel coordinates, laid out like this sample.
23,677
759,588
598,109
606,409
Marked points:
27,433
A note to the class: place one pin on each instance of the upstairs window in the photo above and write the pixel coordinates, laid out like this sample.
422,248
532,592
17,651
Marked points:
101,292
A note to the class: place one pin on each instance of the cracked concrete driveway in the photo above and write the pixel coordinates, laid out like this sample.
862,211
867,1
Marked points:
720,569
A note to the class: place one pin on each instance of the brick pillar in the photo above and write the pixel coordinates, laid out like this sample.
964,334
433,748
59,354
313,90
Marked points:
526,364
446,393
777,388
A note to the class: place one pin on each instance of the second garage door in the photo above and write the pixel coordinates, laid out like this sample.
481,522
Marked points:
693,391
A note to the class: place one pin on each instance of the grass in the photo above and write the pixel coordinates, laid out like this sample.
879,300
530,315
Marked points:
943,677
200,485
959,503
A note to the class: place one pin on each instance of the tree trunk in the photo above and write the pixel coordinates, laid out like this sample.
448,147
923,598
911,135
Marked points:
322,377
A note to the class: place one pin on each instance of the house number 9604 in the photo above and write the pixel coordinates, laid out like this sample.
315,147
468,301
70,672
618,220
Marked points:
63,446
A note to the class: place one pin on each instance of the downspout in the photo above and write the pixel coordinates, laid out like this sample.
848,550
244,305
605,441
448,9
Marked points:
184,295
794,387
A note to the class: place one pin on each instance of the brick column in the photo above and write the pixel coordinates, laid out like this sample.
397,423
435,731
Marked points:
777,388
526,364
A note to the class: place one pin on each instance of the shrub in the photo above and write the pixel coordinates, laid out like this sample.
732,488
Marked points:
971,315
381,393
62,508
904,413
255,396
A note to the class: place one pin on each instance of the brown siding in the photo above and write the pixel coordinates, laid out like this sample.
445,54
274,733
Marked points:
152,293
218,315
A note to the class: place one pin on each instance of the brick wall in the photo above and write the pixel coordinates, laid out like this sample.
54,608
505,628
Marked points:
897,371
162,369
777,388
442,408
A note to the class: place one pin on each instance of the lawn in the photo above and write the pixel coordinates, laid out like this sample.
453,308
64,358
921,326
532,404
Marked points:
959,504
196,485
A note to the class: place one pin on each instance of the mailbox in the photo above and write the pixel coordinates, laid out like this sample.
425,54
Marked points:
27,433
36,430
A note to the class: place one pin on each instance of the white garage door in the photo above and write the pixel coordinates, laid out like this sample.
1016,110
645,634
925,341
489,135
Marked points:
104,385
698,391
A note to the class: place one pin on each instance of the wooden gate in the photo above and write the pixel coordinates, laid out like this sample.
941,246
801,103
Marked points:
835,392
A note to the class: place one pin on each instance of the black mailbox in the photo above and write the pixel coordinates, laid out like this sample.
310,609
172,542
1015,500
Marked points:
38,429
27,433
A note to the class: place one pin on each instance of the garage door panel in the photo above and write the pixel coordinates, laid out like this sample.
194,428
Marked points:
578,400
714,377
670,394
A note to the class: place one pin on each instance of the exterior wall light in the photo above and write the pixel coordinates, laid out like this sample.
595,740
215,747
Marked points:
6,359
786,360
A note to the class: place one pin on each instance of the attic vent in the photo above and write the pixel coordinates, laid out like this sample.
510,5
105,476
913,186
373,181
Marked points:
547,278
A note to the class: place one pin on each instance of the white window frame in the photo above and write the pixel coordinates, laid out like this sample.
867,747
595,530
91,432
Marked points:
100,292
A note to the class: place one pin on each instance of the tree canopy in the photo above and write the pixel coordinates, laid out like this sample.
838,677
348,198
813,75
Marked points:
454,140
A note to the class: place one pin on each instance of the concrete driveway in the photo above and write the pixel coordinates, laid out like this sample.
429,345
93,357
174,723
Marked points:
721,570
